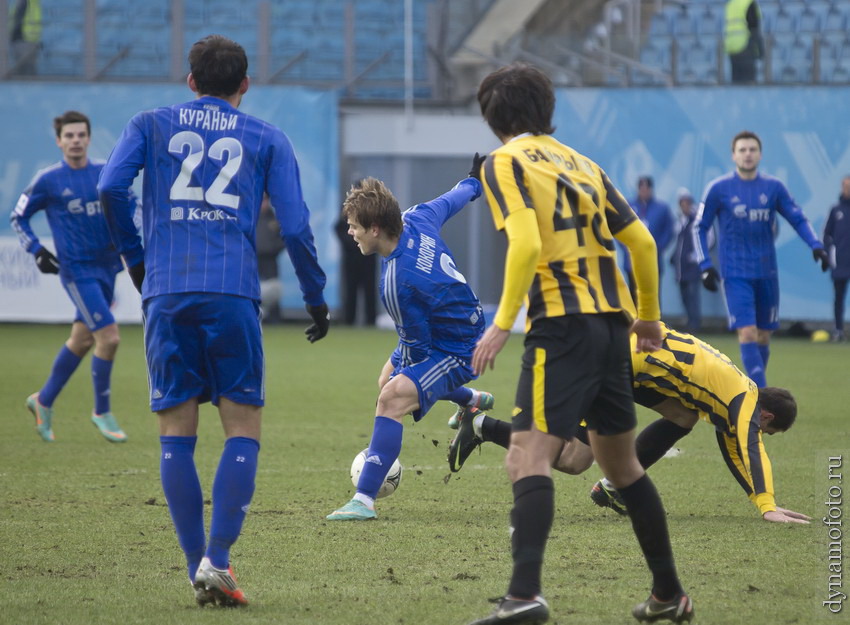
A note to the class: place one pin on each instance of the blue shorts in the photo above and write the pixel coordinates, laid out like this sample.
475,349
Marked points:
752,302
92,298
203,345
434,377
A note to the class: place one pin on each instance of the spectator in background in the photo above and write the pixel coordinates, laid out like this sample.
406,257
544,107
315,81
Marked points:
836,239
684,261
359,275
25,35
656,216
269,247
742,39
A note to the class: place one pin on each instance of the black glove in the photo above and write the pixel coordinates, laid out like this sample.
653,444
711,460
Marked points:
710,279
46,262
137,275
477,162
821,257
321,322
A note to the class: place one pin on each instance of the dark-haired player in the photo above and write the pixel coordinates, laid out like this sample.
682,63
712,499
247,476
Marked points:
685,381
87,264
207,166
561,214
745,203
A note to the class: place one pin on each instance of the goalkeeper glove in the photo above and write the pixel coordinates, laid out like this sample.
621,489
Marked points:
820,255
321,322
477,162
46,262
710,279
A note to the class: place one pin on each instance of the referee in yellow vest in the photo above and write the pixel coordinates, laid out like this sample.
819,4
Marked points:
742,39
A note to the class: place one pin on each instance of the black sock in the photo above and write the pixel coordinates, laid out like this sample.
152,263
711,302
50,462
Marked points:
650,525
531,519
656,439
495,431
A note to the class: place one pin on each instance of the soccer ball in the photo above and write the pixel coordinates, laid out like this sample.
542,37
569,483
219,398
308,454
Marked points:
391,482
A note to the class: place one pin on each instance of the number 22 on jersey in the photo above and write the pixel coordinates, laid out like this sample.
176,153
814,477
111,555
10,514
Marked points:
226,150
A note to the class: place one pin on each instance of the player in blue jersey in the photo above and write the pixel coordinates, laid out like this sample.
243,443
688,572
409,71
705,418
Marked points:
437,316
87,264
207,166
745,203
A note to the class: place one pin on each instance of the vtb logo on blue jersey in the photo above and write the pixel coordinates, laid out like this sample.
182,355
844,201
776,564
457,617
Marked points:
76,207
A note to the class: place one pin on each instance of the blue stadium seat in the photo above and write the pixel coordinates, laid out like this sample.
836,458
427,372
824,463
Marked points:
710,21
659,25
683,23
657,53
784,21
697,62
791,58
768,15
808,21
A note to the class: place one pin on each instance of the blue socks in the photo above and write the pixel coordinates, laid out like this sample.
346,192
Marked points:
383,451
183,493
461,396
764,350
63,367
231,495
101,370
753,363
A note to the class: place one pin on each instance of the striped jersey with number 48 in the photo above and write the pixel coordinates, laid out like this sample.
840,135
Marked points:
577,211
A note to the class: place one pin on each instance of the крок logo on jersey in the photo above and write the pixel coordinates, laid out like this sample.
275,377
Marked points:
197,214
215,214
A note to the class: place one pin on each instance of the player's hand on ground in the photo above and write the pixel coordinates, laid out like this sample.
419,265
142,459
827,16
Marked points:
793,515
649,335
711,279
46,262
137,275
477,162
488,348
321,322
821,256
775,516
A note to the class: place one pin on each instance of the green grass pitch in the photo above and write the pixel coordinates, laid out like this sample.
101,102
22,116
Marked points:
85,536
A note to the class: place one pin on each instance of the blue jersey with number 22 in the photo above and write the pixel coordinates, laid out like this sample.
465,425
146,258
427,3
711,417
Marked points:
206,167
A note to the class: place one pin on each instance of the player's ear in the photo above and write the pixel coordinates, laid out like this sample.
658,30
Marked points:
243,86
190,81
766,417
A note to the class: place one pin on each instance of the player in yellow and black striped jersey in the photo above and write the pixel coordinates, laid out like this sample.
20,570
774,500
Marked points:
561,214
685,381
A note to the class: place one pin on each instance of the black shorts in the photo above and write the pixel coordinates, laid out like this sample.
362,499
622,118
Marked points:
576,367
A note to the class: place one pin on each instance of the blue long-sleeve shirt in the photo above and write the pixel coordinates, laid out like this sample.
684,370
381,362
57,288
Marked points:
746,214
206,166
69,198
429,300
